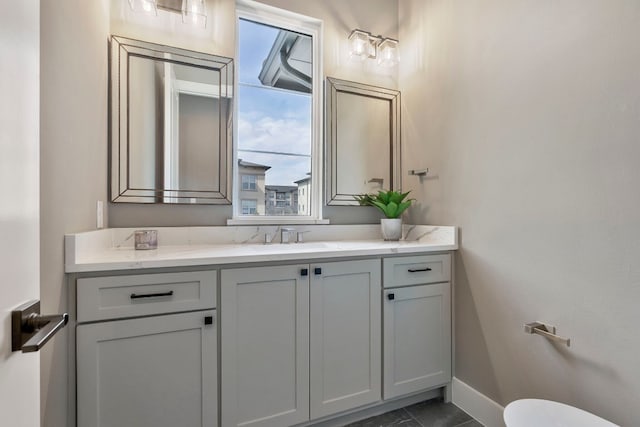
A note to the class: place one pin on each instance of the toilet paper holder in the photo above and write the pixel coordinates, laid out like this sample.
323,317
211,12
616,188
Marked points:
546,331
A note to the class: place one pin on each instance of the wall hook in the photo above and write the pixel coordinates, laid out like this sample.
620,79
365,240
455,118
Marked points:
419,172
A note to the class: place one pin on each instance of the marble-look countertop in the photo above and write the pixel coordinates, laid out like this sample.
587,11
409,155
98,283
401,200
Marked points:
112,249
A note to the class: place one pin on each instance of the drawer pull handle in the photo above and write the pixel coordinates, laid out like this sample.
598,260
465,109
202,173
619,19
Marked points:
391,297
158,295
417,270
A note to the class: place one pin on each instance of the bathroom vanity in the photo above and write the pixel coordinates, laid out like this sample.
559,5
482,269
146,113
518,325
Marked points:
216,328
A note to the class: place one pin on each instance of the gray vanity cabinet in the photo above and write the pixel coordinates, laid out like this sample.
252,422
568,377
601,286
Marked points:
155,363
345,336
299,342
417,323
265,346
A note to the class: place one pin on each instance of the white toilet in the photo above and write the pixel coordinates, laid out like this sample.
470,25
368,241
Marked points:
545,413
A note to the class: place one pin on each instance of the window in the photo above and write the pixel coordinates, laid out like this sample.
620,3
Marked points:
249,207
279,115
248,183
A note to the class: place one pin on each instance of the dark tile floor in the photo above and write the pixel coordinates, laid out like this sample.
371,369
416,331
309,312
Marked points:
431,413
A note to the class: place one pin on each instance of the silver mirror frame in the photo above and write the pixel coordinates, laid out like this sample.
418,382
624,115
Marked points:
333,87
121,191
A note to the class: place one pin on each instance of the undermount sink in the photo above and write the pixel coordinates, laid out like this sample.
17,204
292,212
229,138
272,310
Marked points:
112,249
314,246
291,247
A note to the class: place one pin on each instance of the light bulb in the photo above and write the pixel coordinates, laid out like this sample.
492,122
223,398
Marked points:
362,45
194,12
388,53
147,7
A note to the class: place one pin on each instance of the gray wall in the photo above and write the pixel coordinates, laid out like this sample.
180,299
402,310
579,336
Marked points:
74,148
528,112
146,109
339,17
198,134
73,155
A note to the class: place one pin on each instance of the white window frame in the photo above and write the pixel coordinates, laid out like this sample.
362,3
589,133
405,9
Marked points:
255,202
262,13
250,181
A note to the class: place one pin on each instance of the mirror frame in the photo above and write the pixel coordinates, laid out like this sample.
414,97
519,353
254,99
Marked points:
121,50
333,87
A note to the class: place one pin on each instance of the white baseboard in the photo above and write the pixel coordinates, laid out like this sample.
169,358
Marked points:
476,404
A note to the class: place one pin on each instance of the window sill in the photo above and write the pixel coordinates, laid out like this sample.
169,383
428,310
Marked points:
285,220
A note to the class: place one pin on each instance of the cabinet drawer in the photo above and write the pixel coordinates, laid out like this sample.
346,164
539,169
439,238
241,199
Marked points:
113,297
416,270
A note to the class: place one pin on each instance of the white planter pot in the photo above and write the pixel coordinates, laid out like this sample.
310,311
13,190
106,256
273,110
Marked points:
391,228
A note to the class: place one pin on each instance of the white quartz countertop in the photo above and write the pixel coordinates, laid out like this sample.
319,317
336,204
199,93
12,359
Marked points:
112,249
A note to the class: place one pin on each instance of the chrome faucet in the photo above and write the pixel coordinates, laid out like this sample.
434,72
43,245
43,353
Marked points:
284,234
268,237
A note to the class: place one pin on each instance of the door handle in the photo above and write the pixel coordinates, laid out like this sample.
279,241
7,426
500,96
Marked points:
30,330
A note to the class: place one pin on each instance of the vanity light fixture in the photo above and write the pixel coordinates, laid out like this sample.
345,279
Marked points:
388,53
364,46
148,7
193,11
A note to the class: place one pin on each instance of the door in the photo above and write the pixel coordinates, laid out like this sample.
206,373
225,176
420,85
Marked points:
345,325
159,371
19,206
417,338
265,346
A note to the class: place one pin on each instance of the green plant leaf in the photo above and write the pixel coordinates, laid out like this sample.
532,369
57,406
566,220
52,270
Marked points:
392,210
391,203
404,206
363,199
381,206
385,196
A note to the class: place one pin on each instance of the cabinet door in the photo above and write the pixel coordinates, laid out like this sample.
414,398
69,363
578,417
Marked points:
265,346
345,336
417,338
150,372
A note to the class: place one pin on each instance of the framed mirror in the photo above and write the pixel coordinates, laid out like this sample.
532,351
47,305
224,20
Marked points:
171,124
362,140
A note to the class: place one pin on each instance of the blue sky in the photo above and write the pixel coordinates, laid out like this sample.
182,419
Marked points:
270,119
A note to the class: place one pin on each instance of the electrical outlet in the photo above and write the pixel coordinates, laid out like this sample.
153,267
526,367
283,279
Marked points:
100,214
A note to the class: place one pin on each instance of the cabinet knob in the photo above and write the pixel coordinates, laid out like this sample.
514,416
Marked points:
317,270
391,296
304,272
208,320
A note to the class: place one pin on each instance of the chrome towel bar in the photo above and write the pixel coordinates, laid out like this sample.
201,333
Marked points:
546,331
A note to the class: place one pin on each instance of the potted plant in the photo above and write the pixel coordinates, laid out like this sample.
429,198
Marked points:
392,204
